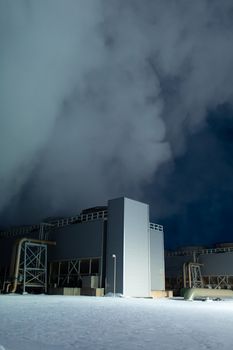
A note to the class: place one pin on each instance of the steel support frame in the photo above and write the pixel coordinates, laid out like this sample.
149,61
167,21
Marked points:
219,281
192,275
33,266
196,276
72,270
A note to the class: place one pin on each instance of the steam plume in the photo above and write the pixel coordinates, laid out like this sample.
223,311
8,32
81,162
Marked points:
96,95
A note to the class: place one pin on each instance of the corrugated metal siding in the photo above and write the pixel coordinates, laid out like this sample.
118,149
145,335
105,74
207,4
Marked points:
128,238
174,265
136,249
217,264
82,240
115,244
6,247
157,260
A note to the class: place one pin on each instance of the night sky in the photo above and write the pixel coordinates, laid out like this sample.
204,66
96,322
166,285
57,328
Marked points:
194,196
101,99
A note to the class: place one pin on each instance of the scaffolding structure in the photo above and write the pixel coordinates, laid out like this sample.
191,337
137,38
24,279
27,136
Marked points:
28,268
66,273
33,266
192,277
29,258
218,281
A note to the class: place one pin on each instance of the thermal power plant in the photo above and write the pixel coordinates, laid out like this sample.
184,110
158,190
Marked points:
111,249
198,267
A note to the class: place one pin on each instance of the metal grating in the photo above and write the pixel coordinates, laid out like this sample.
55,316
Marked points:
156,227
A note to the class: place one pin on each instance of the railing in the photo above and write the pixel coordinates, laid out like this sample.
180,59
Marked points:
94,216
23,230
20,230
156,227
80,218
199,251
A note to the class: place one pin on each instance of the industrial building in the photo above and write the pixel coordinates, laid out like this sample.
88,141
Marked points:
112,249
200,267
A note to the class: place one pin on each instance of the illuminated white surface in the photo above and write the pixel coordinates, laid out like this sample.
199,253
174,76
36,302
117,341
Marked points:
63,323
128,239
157,267
136,249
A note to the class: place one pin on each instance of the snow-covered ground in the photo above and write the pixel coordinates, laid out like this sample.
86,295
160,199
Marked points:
33,322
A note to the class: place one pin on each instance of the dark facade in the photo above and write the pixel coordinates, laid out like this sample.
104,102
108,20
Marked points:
109,249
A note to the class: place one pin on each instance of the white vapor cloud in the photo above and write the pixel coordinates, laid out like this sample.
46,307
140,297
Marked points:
95,95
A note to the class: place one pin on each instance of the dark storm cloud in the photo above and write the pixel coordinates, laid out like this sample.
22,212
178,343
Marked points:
96,95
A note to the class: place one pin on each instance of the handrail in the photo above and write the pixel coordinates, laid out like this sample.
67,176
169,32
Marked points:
22,230
199,251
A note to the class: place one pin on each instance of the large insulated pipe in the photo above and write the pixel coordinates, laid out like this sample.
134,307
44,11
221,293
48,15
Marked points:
204,293
16,269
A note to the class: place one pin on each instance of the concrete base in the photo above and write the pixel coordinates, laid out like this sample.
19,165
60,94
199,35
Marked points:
97,292
161,293
65,291
90,281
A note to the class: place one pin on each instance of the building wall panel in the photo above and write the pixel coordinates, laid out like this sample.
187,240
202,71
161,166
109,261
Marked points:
136,248
81,240
217,264
115,244
157,260
174,265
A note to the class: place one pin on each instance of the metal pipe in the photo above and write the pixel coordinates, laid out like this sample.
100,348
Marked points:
7,287
184,275
16,269
189,273
114,274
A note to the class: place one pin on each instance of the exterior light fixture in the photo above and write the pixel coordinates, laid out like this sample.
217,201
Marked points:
114,274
